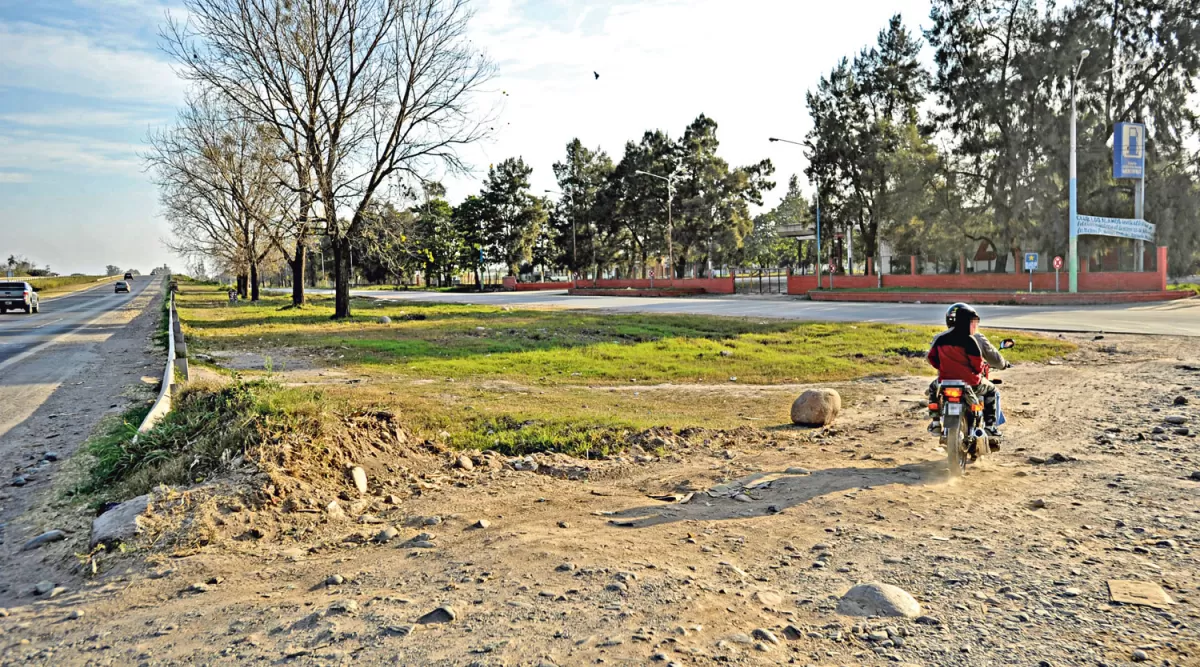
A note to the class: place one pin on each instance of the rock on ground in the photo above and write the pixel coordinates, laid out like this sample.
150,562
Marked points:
121,523
44,538
875,599
816,407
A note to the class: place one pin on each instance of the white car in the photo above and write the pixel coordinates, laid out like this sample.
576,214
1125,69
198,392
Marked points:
18,296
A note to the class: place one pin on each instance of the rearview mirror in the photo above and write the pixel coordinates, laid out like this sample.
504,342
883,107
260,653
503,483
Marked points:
1007,343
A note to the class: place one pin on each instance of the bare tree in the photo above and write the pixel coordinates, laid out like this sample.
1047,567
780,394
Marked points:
359,91
219,187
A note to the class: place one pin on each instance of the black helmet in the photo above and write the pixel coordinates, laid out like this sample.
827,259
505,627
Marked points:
960,312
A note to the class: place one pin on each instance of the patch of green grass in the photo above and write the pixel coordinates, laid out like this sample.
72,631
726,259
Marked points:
557,348
583,383
108,448
1187,287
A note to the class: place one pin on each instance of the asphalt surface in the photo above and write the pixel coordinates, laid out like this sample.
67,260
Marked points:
21,333
1174,318
40,351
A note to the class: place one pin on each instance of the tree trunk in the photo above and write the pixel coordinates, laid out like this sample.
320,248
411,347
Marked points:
242,284
870,237
297,264
254,294
478,276
341,278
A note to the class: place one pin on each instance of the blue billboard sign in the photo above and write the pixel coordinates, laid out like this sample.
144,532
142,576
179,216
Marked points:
1129,150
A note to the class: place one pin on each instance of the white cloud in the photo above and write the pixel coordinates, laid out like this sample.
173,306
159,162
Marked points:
65,61
47,152
81,117
14,177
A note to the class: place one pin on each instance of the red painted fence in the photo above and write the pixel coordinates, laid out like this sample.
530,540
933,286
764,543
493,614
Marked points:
1116,281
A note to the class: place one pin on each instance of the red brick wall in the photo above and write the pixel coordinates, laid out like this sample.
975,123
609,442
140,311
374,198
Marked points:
532,287
710,285
1041,299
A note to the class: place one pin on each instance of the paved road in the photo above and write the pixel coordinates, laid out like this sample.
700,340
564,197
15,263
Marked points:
1177,318
38,352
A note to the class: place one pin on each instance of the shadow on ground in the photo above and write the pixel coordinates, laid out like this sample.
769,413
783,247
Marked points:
773,493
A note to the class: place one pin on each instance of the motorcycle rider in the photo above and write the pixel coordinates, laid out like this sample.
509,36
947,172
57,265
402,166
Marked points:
962,353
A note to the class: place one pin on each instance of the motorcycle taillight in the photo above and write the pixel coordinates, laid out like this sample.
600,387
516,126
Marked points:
952,393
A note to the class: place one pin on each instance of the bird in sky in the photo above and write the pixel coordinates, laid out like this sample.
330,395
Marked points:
597,74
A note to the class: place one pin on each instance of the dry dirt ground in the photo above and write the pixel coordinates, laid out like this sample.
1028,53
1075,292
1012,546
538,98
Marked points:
761,532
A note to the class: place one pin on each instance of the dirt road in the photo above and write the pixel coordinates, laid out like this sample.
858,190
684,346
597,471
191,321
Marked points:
61,371
760,533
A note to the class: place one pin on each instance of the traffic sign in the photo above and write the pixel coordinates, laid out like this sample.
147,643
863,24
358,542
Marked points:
1129,150
1031,261
651,273
1058,263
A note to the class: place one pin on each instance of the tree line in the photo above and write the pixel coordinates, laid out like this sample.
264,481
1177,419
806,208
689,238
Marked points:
975,152
319,124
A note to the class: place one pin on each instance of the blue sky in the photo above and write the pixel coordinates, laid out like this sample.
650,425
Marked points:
82,83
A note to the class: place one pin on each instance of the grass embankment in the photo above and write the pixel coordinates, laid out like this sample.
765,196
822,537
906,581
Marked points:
517,381
58,285
1194,288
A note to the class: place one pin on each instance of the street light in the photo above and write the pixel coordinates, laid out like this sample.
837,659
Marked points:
818,253
574,258
1073,205
670,181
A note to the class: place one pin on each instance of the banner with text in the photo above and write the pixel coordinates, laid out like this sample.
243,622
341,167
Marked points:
1123,227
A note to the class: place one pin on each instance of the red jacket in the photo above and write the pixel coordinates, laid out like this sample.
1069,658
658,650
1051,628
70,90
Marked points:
957,356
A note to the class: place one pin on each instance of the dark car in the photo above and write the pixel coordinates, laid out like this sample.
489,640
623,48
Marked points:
121,286
128,276
18,296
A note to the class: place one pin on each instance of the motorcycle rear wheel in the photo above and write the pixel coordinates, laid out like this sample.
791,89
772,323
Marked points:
956,459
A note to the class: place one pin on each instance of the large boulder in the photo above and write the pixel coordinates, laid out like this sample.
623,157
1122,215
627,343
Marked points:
816,407
876,599
121,523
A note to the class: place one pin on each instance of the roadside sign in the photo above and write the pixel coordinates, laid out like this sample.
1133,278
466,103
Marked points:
651,274
1058,263
1129,150
1031,264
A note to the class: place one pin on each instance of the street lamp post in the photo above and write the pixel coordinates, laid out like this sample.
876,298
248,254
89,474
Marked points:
670,181
818,252
1073,205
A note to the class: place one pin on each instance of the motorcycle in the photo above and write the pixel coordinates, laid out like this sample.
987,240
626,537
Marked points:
961,414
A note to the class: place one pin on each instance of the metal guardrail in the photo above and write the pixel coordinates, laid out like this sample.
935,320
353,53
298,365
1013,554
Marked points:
163,404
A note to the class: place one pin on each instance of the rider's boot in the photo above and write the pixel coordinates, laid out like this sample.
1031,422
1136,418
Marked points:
989,421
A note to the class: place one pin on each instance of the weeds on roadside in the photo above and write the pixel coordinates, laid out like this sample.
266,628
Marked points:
205,430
